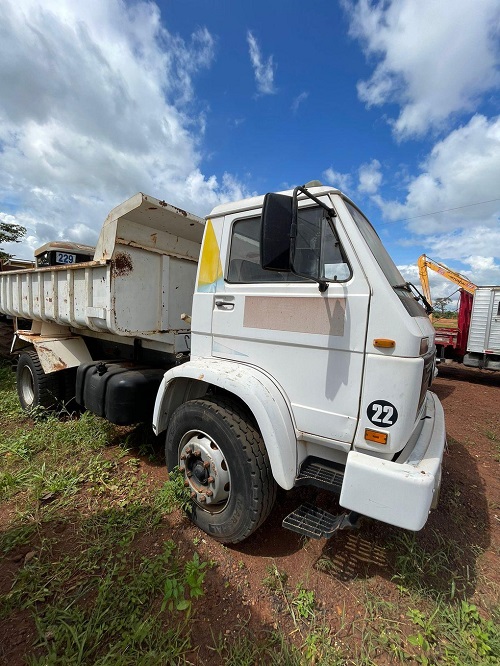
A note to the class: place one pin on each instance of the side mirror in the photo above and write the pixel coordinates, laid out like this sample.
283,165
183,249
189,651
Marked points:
277,214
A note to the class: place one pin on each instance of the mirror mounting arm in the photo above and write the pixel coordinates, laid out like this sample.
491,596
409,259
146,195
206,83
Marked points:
302,188
322,285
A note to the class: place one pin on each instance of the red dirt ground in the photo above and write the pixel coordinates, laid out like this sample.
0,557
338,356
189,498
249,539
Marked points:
468,514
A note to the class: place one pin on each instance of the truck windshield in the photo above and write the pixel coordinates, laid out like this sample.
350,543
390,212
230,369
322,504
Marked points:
375,244
385,262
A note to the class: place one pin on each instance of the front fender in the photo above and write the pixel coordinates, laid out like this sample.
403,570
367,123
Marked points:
262,396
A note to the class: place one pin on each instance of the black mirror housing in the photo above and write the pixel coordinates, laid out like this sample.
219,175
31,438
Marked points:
277,214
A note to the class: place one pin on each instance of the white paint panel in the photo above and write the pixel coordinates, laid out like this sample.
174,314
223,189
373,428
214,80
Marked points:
397,493
312,343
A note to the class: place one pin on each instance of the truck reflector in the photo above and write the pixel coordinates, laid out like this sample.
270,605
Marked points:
384,342
375,436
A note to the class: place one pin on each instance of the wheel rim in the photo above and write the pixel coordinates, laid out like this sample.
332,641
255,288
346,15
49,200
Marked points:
27,386
205,471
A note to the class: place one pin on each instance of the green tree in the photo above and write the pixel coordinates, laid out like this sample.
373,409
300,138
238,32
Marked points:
441,303
10,233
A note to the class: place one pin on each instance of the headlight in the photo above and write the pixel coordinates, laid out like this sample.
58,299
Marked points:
424,346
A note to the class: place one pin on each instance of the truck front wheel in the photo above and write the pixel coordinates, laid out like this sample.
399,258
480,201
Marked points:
225,466
34,387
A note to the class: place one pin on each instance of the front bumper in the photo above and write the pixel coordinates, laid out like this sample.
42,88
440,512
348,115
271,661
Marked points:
399,493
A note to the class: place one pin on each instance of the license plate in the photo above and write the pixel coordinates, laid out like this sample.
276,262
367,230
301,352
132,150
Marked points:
65,258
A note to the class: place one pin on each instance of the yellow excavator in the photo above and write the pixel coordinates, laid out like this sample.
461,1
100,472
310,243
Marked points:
450,342
424,263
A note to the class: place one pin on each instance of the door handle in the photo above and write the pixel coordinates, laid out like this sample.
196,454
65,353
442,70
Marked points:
224,305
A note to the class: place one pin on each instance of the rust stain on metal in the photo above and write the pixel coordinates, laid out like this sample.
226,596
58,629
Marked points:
56,363
180,211
177,210
122,264
154,238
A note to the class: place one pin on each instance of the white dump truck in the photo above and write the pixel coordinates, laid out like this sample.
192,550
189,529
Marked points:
275,344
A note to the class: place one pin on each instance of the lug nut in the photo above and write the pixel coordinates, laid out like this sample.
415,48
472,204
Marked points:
189,474
183,456
210,479
197,453
193,495
203,498
206,464
186,483
210,493
182,469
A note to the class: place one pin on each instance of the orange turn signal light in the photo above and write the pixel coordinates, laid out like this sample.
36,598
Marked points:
375,436
384,342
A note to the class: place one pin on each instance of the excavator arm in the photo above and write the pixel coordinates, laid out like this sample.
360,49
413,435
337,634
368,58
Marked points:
424,263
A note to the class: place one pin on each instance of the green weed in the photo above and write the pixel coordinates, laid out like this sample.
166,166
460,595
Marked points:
275,580
174,494
304,603
435,573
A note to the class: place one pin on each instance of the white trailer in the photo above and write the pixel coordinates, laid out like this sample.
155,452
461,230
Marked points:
483,345
275,345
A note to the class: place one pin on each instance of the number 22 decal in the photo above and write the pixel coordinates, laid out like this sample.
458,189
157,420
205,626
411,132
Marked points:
382,413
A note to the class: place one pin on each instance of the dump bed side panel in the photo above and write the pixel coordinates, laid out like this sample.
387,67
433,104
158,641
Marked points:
140,282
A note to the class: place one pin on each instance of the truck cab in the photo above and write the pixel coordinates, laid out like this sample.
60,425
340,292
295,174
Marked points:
324,331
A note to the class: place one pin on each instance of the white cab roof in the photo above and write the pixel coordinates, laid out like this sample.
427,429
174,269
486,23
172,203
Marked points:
256,202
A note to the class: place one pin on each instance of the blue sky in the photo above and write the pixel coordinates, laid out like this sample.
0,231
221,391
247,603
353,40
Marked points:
201,101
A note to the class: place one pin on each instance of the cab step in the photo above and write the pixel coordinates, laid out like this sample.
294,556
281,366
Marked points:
320,473
317,523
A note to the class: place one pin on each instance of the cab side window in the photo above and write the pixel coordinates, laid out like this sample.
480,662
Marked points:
244,258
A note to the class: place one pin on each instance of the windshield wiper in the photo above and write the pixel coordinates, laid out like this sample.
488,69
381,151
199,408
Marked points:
409,287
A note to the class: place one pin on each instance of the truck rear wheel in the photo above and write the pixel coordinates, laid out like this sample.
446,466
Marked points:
34,387
225,466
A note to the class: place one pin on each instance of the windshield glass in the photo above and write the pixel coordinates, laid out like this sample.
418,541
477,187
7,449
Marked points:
385,262
375,244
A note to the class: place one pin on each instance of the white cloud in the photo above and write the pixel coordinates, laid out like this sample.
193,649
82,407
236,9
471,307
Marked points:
263,70
432,58
343,181
298,101
462,169
460,172
370,177
97,103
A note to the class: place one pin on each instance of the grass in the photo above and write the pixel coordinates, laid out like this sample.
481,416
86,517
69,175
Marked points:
101,584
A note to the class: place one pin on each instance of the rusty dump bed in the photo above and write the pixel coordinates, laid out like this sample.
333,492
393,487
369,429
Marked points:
139,283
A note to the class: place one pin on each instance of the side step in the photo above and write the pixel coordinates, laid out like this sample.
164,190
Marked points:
320,473
318,523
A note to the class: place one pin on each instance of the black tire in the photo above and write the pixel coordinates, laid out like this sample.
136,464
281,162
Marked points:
34,387
221,434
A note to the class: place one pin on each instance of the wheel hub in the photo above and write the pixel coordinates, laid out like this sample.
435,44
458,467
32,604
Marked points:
205,469
27,385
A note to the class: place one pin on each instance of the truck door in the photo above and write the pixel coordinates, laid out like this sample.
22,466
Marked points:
311,343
